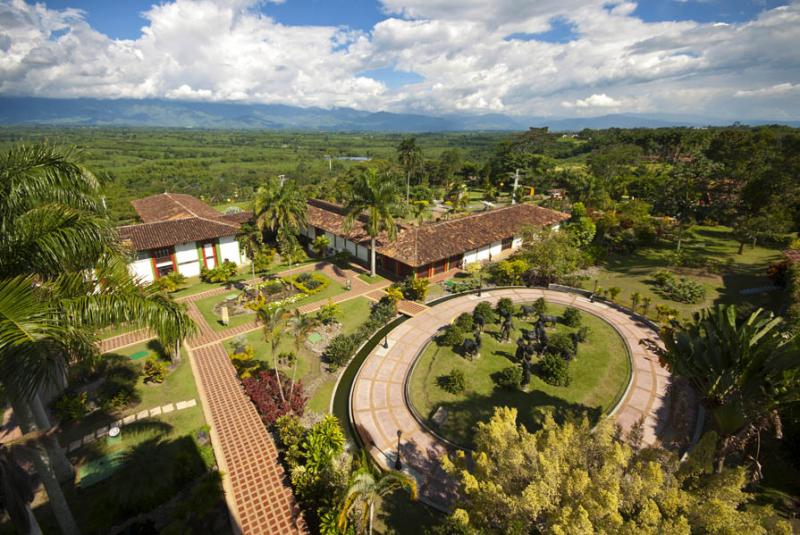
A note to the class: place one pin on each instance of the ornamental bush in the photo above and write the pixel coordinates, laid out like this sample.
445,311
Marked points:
451,336
169,282
682,290
70,406
155,370
224,272
454,382
560,344
572,317
265,393
483,313
308,283
554,370
465,322
505,307
509,377
328,312
340,349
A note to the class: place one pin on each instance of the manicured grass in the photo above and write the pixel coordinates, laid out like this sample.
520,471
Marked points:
352,314
206,308
369,279
599,375
633,272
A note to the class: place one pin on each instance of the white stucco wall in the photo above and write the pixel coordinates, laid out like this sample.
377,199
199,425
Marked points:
495,249
141,270
229,249
187,259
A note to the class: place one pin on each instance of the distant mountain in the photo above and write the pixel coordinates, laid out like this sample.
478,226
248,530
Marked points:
178,114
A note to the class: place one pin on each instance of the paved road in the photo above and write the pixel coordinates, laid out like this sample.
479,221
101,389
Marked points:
379,408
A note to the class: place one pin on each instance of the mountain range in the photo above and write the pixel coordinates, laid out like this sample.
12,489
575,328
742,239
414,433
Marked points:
181,114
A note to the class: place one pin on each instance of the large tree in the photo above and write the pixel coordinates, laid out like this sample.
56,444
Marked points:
745,370
372,199
571,478
280,207
410,156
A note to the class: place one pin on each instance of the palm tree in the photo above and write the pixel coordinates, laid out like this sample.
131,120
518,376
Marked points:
410,156
280,207
743,370
375,199
367,485
273,331
301,326
16,494
62,270
636,298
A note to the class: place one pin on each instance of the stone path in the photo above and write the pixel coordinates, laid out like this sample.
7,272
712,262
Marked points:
379,408
101,432
256,487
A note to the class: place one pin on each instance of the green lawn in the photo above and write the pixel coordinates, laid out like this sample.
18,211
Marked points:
179,385
369,279
599,376
206,308
352,314
633,272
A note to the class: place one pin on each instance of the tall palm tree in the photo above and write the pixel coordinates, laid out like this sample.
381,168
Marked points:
301,326
280,207
16,494
60,254
368,485
375,200
273,331
410,157
744,370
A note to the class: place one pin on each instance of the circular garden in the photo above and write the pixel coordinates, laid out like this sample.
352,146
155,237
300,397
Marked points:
537,357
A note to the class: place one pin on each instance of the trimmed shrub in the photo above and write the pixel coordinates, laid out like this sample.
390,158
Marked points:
454,382
265,394
572,317
555,370
560,344
483,313
509,377
465,322
340,349
413,288
308,283
155,370
451,336
505,307
682,290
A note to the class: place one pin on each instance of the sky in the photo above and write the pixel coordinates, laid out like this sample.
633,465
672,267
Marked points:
727,59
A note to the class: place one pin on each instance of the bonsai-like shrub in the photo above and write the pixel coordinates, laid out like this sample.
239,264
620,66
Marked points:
452,336
505,307
509,377
483,313
265,393
465,322
340,349
572,317
454,382
155,370
555,370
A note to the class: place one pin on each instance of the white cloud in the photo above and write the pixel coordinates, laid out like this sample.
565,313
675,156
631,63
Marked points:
777,89
594,101
228,50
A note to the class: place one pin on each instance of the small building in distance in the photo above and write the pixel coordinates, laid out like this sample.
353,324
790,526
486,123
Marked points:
432,248
180,233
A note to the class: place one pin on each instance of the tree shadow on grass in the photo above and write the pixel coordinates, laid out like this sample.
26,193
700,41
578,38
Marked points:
464,415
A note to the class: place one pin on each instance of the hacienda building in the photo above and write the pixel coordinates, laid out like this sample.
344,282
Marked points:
180,233
433,248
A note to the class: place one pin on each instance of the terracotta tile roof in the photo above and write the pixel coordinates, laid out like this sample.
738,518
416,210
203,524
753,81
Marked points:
169,206
238,217
418,246
173,218
165,233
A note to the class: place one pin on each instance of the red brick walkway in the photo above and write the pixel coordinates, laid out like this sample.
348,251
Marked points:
256,486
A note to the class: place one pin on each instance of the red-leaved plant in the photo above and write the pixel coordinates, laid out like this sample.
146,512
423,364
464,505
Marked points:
265,393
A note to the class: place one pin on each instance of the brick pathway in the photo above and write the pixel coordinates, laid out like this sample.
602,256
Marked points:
379,408
256,486
124,340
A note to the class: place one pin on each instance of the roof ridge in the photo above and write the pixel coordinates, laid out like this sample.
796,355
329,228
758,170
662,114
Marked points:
195,214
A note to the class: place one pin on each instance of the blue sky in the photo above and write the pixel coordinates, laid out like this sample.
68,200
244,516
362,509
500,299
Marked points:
718,58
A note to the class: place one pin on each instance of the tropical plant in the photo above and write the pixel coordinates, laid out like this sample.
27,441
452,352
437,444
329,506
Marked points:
368,485
510,271
280,207
454,382
155,370
320,245
745,371
483,314
646,302
509,377
340,349
451,336
572,317
394,293
465,322
270,394
374,199
224,272
272,332
505,307
636,298
328,312
554,370
410,157
613,292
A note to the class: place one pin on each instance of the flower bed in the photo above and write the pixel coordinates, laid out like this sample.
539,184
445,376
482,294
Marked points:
308,283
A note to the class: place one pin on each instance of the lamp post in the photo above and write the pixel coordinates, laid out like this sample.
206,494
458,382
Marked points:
397,464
